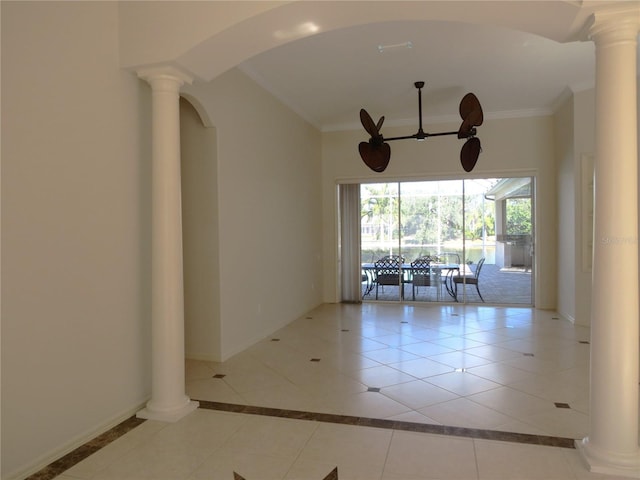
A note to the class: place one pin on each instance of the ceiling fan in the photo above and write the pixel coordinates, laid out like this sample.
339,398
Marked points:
376,152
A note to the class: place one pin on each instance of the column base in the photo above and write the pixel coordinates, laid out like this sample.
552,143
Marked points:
608,463
170,415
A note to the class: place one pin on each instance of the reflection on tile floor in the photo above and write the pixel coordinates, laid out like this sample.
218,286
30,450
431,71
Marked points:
393,392
495,368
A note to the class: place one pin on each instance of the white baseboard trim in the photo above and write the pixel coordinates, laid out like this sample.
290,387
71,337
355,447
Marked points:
77,441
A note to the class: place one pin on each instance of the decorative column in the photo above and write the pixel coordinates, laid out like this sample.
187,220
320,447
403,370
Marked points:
612,444
168,400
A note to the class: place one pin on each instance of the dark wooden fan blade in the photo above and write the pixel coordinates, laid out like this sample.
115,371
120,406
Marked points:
379,125
376,157
468,104
465,129
473,119
367,123
471,113
476,117
470,153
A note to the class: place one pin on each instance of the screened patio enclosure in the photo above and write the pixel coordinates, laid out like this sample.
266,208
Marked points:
451,240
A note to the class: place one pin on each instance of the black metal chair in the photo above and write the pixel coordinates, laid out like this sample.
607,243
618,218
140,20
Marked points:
473,279
421,273
449,258
388,271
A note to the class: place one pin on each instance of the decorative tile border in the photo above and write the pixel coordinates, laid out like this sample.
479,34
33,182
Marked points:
527,438
69,460
333,475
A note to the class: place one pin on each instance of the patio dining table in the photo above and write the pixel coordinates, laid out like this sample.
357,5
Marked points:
441,272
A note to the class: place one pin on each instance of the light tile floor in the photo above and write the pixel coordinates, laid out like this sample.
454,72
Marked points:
470,366
499,369
212,445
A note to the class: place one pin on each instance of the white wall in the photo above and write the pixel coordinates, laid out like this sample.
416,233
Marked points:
568,191
574,134
199,171
269,197
75,230
519,146
584,143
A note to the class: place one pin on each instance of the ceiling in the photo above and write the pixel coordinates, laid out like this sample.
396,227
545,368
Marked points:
326,78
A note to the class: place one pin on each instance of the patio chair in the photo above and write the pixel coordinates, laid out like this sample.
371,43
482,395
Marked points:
473,279
388,271
421,273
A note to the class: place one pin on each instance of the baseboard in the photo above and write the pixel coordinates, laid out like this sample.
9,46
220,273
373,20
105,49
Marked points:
202,357
79,440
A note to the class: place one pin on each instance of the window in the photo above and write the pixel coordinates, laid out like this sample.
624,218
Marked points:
460,221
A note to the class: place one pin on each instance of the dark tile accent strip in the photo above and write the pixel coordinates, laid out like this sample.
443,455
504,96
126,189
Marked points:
527,438
373,389
333,475
76,456
558,442
561,405
219,375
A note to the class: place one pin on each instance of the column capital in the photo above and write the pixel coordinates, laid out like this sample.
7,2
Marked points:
619,23
164,74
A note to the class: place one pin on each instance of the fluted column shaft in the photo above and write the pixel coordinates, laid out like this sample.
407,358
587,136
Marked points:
168,399
612,444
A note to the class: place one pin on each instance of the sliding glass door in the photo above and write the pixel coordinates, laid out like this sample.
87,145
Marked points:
474,235
380,240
